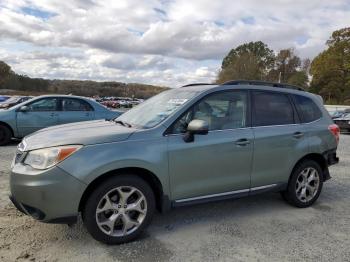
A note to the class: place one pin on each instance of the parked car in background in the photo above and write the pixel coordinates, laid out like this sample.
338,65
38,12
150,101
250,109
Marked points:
336,114
111,103
337,111
118,102
343,122
187,145
4,98
44,111
14,100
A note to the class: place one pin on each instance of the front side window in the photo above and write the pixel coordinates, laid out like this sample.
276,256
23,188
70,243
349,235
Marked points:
224,110
158,108
71,104
42,105
307,109
271,108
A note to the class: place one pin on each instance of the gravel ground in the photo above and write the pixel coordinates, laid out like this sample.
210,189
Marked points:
257,228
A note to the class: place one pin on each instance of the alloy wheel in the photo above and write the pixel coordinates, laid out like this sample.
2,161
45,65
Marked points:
307,184
121,211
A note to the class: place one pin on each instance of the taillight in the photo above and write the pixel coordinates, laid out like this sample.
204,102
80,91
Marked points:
335,131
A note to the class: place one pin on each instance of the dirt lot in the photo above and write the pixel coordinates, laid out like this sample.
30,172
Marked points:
259,228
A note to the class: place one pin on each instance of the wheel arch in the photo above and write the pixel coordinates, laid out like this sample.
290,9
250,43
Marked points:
318,158
148,176
8,126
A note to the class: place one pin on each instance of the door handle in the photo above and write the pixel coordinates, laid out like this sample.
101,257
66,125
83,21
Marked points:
298,135
52,114
242,142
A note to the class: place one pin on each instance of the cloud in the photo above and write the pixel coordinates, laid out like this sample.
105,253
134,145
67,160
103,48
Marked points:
161,42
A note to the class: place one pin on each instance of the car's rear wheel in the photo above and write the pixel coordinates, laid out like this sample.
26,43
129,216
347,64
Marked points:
5,135
305,184
119,209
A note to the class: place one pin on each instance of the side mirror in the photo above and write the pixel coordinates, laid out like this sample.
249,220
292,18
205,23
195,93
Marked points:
196,127
24,109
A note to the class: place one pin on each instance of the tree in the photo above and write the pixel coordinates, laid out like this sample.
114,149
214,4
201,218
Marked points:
5,72
252,60
330,70
289,68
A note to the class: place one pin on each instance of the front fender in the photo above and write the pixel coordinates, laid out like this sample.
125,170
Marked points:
93,161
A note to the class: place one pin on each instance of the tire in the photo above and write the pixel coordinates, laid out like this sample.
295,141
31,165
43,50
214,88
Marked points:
302,190
127,213
5,135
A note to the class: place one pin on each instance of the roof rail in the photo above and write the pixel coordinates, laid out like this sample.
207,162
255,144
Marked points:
198,84
262,83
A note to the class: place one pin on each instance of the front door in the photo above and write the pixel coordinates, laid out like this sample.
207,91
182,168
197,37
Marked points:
41,113
216,164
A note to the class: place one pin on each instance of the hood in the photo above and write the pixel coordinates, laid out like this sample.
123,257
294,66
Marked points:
81,133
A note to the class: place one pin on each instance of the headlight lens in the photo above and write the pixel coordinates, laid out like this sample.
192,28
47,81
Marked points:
49,157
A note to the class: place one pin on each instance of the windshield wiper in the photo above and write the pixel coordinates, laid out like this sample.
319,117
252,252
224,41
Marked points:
122,123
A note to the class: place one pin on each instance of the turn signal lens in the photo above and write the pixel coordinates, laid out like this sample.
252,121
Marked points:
66,152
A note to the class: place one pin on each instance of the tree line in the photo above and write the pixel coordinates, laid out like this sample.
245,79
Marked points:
327,75
9,80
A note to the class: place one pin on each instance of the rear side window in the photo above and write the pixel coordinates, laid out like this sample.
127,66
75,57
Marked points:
71,104
307,109
271,108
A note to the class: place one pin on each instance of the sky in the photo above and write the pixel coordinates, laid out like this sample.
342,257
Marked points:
164,42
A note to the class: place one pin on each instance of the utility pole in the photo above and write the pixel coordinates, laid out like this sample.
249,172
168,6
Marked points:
279,77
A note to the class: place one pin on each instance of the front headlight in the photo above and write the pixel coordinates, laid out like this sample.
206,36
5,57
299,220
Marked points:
49,157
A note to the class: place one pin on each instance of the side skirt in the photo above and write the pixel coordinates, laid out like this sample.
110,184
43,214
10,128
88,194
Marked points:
229,195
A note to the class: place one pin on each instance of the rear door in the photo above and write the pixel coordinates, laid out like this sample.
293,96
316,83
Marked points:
41,113
280,140
75,110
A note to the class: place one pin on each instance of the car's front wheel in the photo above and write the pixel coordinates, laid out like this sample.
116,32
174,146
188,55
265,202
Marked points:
305,184
119,209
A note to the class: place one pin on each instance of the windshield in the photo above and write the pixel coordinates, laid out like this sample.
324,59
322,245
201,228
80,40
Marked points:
156,109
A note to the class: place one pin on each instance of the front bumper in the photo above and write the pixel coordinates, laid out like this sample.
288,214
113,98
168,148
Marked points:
50,196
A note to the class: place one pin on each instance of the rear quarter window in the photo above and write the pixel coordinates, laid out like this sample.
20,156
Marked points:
308,111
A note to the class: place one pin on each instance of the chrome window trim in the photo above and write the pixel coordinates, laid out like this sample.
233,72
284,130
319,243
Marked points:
225,193
211,131
250,127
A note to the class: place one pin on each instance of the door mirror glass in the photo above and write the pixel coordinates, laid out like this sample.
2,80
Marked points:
196,127
24,109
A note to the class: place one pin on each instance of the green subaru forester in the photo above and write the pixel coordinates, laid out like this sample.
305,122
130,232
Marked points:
188,145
